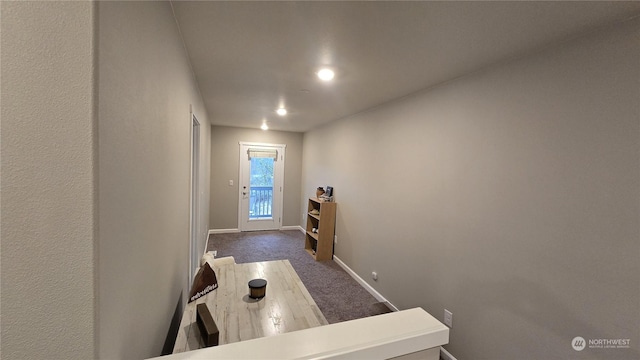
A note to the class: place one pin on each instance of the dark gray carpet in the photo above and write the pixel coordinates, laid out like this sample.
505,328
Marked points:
338,295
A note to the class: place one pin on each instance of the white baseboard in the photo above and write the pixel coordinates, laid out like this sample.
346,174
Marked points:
364,284
445,355
230,231
223,231
292,227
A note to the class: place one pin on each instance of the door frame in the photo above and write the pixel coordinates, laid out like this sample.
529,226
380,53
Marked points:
281,155
194,201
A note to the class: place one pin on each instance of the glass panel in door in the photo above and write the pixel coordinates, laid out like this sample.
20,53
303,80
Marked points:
261,182
261,188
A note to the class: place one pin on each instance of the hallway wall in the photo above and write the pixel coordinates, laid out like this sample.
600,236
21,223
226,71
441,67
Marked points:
509,197
48,180
225,167
146,88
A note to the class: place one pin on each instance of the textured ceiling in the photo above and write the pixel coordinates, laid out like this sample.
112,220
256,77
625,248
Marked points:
249,58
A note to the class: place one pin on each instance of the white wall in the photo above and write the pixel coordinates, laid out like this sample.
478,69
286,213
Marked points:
95,188
48,180
225,153
510,197
145,90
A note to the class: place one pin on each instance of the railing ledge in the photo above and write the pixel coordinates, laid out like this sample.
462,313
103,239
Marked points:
377,337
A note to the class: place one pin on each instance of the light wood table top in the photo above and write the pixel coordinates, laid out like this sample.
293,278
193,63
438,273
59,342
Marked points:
287,306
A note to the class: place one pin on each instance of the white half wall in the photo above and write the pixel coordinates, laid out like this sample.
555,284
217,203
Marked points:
509,197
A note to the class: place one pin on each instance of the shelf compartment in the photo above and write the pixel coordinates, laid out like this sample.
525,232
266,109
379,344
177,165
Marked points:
311,252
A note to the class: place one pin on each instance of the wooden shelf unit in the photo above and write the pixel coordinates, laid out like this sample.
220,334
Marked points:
320,244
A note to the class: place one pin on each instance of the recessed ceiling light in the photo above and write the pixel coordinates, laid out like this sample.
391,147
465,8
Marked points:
264,126
281,111
326,74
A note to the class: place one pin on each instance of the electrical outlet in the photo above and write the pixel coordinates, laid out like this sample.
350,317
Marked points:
374,276
448,318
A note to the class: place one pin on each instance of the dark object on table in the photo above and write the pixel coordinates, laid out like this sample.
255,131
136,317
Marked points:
257,288
204,282
208,329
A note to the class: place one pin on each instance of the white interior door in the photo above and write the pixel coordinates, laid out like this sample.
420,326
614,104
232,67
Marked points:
261,185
